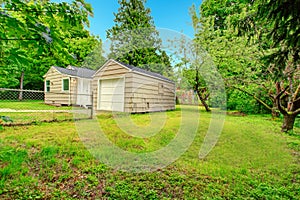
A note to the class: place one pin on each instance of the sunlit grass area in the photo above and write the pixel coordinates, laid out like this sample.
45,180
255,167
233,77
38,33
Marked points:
38,117
251,160
20,112
29,105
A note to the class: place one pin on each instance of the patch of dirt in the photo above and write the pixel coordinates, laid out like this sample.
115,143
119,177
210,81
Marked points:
236,113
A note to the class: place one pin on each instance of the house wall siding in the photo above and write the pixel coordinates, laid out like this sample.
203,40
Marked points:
56,95
147,94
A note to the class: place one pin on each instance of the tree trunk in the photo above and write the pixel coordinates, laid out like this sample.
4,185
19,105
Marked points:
21,86
275,113
274,110
288,122
203,102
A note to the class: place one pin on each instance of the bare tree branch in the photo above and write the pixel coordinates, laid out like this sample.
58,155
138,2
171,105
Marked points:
297,112
296,93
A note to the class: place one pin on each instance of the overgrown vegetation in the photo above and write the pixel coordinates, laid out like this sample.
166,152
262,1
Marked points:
252,160
255,46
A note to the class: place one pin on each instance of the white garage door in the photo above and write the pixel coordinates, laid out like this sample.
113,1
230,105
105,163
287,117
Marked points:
111,95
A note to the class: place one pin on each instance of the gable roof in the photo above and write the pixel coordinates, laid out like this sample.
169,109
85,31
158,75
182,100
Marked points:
76,71
138,70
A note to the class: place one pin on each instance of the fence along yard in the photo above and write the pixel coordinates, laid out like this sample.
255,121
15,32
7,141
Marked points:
24,107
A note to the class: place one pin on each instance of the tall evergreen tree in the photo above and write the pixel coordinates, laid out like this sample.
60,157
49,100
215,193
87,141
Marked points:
135,40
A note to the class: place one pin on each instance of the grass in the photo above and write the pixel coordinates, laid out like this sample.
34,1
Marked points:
30,105
22,111
29,117
252,160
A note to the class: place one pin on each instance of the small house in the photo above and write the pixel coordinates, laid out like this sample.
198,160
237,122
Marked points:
125,88
68,86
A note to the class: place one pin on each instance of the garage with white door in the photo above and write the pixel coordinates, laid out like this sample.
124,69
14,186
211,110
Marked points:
120,87
111,94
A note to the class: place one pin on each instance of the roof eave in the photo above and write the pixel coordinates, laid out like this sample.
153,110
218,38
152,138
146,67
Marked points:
170,81
106,63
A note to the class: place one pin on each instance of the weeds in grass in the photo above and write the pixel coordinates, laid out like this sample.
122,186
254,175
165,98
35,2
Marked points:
252,160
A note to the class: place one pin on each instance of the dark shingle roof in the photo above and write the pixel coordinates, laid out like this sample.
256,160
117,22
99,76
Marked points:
88,73
137,69
76,71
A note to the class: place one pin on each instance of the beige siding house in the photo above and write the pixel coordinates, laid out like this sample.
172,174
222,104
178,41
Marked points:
68,86
124,88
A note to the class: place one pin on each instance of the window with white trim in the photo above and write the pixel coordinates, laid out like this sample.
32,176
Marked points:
47,86
65,84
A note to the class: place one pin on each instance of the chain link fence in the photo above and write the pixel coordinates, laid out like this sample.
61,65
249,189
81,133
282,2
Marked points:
25,107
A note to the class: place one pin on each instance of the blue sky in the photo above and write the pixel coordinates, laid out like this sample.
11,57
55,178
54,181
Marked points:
171,14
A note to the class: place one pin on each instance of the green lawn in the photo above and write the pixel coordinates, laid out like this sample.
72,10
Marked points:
35,117
22,111
252,160
30,105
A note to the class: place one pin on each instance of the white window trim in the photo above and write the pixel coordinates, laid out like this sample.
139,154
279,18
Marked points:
46,85
62,84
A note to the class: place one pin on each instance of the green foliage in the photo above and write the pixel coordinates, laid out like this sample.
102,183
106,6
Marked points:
284,33
242,102
297,122
249,89
82,46
35,35
135,40
94,60
275,26
221,9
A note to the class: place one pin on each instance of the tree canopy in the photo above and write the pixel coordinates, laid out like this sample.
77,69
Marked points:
255,45
279,23
35,35
135,40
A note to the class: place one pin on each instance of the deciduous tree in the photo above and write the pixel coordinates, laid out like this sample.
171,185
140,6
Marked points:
35,35
279,22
